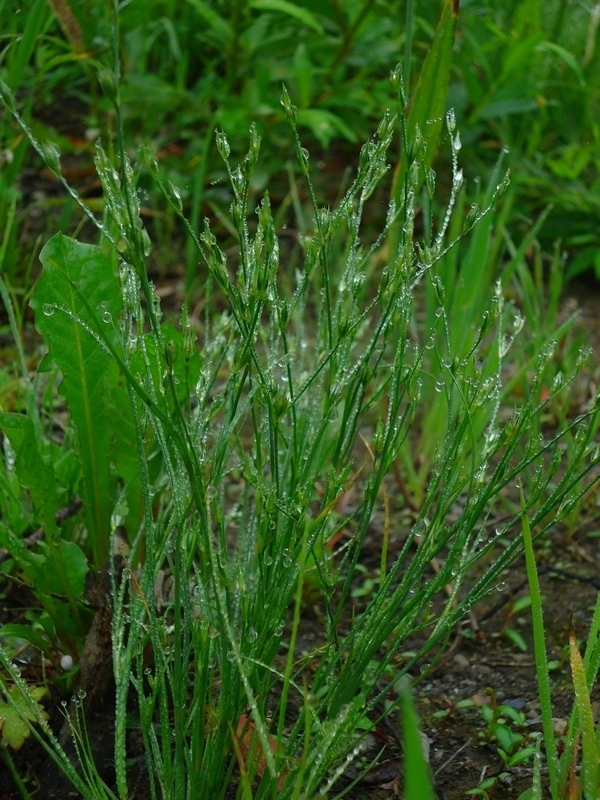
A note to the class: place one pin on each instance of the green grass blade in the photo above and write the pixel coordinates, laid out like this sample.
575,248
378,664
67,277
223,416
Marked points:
589,754
428,110
417,780
541,659
20,55
302,15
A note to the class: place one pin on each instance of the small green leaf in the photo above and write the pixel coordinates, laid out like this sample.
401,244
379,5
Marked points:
291,9
506,738
64,572
27,634
521,756
15,713
324,125
516,638
34,471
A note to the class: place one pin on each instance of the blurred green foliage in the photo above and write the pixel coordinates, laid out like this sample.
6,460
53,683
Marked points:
524,78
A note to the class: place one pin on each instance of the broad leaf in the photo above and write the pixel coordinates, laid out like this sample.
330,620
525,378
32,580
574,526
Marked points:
65,571
14,713
77,303
26,633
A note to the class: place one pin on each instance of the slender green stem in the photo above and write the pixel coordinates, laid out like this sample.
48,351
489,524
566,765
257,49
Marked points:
541,658
408,40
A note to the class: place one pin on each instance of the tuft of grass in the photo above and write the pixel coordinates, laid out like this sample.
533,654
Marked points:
243,459
579,748
251,440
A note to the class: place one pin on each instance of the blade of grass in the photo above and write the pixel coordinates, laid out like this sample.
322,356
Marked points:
541,658
417,779
428,110
589,754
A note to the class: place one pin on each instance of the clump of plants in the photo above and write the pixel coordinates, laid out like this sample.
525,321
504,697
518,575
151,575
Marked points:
217,452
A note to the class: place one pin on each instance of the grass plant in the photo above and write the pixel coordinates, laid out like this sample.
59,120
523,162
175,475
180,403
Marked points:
573,773
250,474
251,440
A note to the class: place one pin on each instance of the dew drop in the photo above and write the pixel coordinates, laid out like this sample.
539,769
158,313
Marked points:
66,662
48,309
